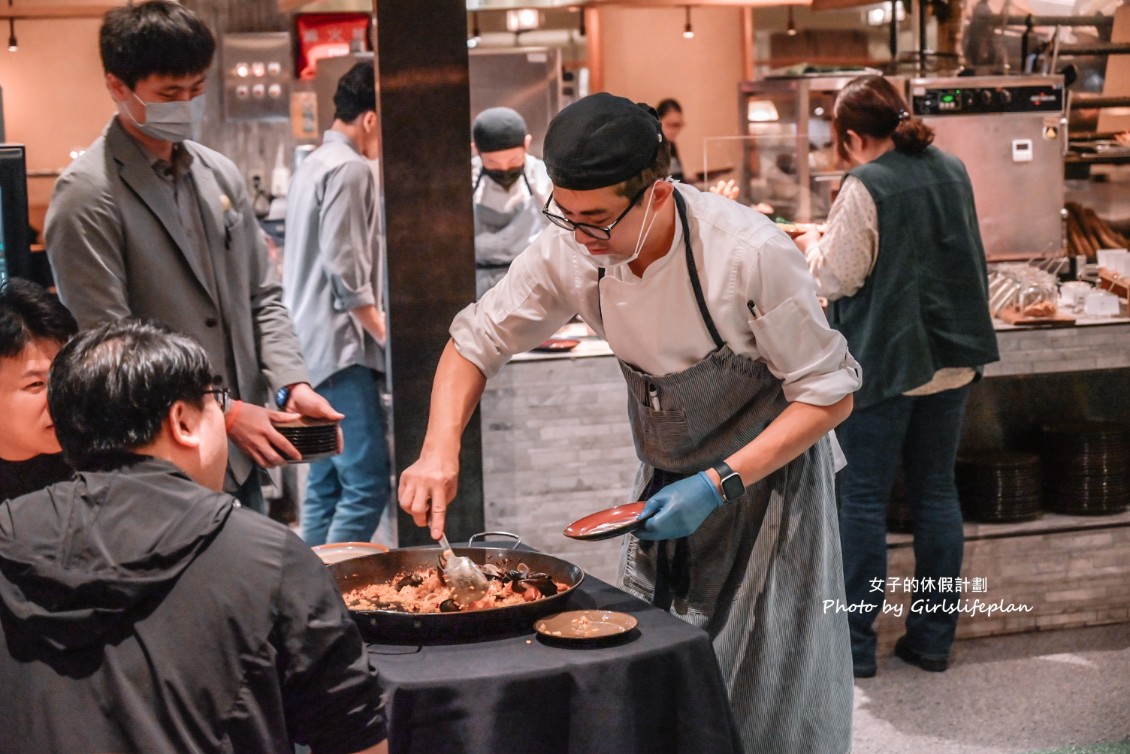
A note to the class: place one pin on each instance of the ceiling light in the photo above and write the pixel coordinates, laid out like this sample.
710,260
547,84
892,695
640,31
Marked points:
688,32
791,28
13,45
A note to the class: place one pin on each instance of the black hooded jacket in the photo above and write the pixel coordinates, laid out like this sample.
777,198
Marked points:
140,611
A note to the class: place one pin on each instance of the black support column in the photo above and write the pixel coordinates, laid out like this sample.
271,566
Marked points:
421,53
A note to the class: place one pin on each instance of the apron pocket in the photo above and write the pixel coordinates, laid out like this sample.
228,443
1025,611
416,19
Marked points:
664,434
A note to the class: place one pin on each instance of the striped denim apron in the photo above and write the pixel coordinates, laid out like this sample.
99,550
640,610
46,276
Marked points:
756,573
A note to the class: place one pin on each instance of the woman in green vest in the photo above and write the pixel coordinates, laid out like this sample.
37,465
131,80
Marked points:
902,266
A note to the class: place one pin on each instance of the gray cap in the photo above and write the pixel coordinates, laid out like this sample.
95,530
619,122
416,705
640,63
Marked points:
498,128
601,140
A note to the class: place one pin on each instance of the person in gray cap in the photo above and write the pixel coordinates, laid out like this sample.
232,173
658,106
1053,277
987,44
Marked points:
735,381
509,188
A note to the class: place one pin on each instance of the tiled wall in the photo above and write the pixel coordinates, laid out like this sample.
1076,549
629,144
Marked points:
1070,570
556,447
1061,349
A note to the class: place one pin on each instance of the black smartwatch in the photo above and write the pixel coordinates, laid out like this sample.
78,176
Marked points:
282,396
732,486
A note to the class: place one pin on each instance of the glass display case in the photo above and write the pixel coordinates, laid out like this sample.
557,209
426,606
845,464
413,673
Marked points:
787,164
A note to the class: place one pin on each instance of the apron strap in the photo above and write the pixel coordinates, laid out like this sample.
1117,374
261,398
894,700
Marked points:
681,206
692,271
672,571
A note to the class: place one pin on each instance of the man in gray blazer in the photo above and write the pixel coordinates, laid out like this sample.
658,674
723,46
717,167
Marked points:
148,224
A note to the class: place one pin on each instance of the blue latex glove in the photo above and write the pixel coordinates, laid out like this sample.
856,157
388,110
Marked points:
679,508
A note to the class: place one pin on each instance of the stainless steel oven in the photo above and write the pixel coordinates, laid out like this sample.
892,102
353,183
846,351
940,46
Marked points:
1011,133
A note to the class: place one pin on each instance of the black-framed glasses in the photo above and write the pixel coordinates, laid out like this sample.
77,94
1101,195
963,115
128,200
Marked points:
600,233
222,397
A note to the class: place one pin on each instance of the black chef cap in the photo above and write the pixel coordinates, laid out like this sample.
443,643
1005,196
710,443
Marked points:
498,128
601,140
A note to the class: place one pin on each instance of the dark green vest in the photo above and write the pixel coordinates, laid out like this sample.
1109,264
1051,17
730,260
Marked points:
925,305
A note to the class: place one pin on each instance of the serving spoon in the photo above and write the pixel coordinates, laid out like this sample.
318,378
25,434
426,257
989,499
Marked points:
468,584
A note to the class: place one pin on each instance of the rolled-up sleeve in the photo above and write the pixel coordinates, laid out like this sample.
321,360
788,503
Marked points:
545,286
344,235
791,332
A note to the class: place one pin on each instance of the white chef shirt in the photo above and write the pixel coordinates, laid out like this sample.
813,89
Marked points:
653,322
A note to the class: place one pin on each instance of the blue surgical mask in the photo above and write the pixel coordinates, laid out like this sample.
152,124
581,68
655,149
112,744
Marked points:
169,121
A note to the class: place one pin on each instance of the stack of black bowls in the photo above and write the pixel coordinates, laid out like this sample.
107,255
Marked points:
999,486
313,438
1085,467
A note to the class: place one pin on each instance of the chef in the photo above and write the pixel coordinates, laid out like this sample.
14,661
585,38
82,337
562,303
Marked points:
734,382
509,188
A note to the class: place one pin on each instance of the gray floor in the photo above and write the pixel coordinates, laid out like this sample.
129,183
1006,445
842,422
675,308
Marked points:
1055,691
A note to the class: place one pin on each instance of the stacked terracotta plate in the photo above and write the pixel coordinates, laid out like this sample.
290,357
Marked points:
997,486
1086,467
313,438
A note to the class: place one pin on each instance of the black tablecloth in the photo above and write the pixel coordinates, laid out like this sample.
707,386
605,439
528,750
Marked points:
657,689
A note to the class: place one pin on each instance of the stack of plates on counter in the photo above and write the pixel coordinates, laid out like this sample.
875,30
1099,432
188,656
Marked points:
313,438
997,486
1086,467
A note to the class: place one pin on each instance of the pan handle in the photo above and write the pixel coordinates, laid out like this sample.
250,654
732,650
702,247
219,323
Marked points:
485,534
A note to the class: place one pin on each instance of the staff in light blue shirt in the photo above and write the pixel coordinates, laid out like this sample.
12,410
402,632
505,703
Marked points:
332,284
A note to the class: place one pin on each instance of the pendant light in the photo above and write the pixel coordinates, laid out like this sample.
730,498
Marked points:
791,28
688,32
13,45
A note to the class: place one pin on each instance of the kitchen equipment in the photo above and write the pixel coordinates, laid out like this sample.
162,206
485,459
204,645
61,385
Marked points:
468,584
585,625
313,438
528,80
1101,304
339,551
15,243
556,345
1011,133
997,486
785,153
389,627
1086,467
1073,294
608,523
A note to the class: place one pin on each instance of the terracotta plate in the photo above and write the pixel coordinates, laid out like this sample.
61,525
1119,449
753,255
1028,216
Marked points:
585,625
339,551
556,344
606,524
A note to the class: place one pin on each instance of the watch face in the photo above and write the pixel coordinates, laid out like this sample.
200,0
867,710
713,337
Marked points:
282,396
732,487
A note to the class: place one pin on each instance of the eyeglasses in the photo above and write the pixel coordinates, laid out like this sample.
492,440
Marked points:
594,231
222,397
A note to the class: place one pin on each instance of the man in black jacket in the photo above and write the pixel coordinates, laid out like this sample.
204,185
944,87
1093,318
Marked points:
33,327
141,609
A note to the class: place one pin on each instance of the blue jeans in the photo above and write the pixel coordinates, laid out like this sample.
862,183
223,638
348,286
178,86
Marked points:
921,433
347,493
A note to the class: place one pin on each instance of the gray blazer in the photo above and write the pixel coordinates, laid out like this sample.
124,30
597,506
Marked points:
117,250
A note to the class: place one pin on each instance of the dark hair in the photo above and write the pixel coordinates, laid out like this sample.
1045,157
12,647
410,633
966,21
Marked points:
111,388
659,169
356,93
871,106
154,38
27,313
667,105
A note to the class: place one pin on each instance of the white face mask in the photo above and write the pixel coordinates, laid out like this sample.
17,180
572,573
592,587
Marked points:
168,121
619,260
